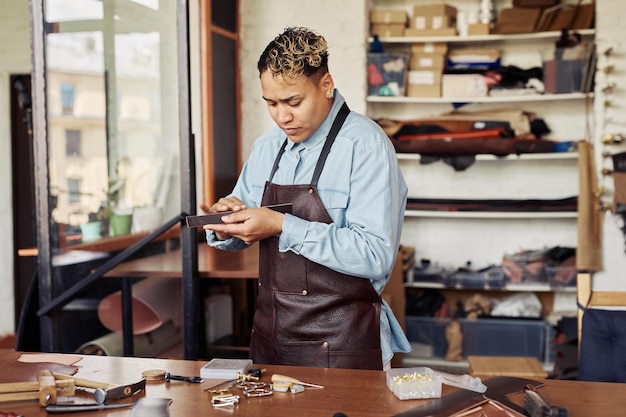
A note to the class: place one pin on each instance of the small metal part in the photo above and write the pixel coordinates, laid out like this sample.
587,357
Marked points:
70,408
296,388
151,407
227,401
118,392
281,386
191,379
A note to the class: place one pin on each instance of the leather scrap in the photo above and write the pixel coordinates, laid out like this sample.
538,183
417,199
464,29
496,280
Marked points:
15,371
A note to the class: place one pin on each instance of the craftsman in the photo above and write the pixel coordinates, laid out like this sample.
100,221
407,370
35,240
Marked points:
324,265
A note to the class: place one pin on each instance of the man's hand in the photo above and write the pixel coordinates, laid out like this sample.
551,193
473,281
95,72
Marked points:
249,225
223,204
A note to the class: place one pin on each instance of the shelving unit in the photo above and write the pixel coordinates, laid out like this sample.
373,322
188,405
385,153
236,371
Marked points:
452,238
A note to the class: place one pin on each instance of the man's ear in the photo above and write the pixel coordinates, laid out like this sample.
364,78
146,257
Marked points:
327,84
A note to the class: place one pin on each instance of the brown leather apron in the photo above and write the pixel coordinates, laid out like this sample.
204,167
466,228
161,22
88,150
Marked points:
308,314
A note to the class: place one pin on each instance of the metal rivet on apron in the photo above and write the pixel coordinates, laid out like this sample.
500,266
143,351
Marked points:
310,190
325,344
259,283
304,292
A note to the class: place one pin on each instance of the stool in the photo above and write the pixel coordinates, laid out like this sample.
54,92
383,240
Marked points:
518,366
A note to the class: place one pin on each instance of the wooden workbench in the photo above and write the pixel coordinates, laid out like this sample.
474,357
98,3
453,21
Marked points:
356,393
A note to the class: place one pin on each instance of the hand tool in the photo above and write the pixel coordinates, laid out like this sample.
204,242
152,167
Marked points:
81,382
283,378
118,392
216,218
45,389
192,379
75,408
537,405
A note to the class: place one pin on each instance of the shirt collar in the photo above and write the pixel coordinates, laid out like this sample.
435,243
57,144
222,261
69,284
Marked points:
319,136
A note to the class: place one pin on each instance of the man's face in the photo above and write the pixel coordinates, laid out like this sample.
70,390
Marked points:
298,106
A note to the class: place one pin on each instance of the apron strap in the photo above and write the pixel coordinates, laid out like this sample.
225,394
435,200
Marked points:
334,130
332,134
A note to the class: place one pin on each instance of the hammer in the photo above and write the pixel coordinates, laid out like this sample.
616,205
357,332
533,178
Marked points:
46,389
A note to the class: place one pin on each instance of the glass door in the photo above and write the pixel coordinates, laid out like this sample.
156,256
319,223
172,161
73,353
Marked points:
111,73
111,138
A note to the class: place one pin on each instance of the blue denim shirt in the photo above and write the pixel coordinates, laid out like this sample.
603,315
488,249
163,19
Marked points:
363,191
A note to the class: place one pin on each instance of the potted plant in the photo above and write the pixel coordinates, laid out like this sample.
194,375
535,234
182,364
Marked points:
119,218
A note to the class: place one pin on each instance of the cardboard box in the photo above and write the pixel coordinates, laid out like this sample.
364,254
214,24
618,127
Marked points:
535,3
433,17
386,73
388,16
517,20
440,48
433,22
430,10
424,83
464,85
477,58
411,32
476,29
386,30
427,61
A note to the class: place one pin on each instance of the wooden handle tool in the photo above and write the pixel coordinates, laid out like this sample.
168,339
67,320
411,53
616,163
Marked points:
283,378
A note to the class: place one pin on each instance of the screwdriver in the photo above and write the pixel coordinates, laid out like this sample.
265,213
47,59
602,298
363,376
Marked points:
283,378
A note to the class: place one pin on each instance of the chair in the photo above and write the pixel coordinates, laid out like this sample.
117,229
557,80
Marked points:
601,333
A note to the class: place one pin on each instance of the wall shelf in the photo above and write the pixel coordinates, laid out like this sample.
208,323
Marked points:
539,287
523,37
487,99
522,157
492,214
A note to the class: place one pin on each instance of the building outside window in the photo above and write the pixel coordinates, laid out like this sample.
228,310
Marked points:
67,98
72,142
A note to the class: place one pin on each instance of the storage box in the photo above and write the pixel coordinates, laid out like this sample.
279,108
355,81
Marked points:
561,276
427,61
473,58
535,3
427,335
463,85
386,73
487,279
476,29
481,337
563,76
414,383
386,30
424,83
517,20
433,16
411,32
439,48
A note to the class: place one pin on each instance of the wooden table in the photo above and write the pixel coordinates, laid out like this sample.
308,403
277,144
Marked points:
212,263
356,393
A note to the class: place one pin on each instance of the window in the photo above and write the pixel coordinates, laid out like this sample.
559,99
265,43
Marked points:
67,98
72,142
73,190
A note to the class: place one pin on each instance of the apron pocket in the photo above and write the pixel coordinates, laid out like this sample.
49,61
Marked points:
362,359
263,350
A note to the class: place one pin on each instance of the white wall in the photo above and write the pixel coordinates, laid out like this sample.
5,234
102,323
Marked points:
14,59
610,16
344,24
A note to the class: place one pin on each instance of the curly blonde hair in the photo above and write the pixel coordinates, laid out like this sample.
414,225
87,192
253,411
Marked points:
297,51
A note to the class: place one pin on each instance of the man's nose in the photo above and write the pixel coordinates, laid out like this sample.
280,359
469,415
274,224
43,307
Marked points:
283,114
